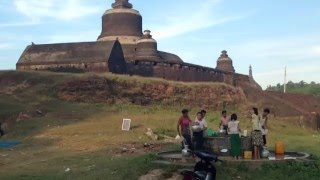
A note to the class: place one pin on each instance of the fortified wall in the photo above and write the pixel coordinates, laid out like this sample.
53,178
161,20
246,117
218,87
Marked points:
175,71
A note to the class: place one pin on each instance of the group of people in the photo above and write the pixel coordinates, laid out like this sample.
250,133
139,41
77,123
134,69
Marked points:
183,127
231,126
259,130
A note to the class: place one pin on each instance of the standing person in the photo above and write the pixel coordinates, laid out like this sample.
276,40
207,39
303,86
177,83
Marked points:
224,121
318,121
203,113
264,125
234,130
256,134
201,125
1,131
183,127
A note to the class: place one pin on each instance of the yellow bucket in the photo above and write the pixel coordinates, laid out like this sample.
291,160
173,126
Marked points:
248,155
279,148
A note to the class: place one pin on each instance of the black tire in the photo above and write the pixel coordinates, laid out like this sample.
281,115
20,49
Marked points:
202,166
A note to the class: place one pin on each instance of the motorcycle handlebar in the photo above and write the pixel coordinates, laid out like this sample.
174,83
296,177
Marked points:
217,160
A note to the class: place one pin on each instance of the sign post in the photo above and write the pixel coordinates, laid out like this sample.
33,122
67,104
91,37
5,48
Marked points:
126,124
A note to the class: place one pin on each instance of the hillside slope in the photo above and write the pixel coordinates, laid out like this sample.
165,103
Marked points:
284,105
140,91
114,89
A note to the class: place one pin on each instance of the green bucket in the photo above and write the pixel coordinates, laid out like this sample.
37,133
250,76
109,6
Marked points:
211,132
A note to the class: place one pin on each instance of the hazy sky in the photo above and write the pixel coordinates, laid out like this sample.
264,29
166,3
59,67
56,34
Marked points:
267,34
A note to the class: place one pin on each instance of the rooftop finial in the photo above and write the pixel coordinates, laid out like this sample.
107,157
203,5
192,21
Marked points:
147,34
224,53
250,71
122,4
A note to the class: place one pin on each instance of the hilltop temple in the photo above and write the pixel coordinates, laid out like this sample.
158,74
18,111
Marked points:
124,48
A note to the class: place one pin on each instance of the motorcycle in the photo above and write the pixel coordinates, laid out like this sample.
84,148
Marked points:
204,169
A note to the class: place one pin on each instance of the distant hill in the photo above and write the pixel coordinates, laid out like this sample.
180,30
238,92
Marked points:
301,87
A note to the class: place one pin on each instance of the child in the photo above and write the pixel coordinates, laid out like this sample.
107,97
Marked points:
234,131
224,121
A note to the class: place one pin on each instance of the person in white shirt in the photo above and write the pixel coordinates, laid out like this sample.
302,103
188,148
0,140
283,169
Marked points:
201,125
264,125
204,112
256,134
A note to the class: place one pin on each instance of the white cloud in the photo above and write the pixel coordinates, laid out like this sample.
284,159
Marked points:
290,71
18,24
193,19
307,73
280,49
5,46
37,10
316,50
269,57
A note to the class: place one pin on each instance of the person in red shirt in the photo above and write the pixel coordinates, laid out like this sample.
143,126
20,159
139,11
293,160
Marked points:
183,127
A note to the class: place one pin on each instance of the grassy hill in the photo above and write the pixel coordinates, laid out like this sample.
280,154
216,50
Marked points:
74,121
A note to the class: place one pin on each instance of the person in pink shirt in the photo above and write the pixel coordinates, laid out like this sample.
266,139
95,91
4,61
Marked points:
183,128
224,121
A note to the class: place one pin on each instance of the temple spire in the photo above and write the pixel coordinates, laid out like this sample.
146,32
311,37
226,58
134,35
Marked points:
122,4
250,71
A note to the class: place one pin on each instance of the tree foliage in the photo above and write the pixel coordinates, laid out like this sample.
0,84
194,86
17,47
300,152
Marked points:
301,87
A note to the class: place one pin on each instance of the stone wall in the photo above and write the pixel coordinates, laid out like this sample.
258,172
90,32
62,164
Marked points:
84,66
170,71
175,71
188,73
85,56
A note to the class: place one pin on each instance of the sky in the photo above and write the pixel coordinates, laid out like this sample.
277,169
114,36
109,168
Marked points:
267,34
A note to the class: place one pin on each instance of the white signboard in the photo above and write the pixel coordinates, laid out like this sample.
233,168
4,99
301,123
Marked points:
126,124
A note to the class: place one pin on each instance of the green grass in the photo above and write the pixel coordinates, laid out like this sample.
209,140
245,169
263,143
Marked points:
86,137
86,166
287,171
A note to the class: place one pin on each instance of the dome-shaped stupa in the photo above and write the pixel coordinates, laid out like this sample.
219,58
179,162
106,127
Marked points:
224,62
147,46
122,23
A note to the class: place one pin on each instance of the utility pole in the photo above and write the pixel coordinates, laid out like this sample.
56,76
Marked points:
285,80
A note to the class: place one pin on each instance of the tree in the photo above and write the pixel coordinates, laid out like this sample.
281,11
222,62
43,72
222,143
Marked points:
302,83
301,87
